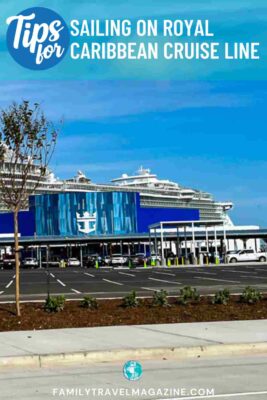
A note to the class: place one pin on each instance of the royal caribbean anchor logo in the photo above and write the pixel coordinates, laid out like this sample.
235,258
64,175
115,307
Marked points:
132,370
37,38
87,222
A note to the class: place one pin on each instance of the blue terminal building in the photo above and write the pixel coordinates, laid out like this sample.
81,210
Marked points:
91,214
99,213
77,207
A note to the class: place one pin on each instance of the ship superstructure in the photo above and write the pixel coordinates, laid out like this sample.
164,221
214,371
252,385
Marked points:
154,192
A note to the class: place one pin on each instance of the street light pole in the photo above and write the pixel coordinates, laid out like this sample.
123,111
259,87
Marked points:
47,271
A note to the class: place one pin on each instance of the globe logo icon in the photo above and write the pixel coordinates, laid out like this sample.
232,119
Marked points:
132,370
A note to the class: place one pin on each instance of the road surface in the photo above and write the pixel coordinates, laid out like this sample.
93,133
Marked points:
105,282
241,378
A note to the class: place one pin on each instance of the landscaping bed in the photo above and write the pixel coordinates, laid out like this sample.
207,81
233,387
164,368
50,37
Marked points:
112,312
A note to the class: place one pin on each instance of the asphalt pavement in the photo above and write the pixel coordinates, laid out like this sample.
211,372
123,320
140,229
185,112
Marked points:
240,378
75,282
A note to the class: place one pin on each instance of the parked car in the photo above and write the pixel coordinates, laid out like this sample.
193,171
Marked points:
118,259
138,259
30,262
73,262
54,261
246,255
9,261
90,260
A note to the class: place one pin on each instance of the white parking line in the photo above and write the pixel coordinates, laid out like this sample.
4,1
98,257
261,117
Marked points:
76,291
2,292
221,396
9,284
150,289
125,273
164,281
86,273
238,272
205,273
60,282
163,273
215,279
14,276
256,277
115,283
53,276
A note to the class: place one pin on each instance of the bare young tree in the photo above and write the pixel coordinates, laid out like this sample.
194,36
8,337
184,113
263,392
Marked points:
27,143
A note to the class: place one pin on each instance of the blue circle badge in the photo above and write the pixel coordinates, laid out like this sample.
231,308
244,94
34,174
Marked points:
37,38
132,370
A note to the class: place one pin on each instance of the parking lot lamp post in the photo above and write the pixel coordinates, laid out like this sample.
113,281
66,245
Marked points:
40,256
162,245
185,241
155,242
47,271
178,246
81,255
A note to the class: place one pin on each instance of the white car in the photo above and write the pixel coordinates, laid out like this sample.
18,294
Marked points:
73,262
246,255
118,259
30,262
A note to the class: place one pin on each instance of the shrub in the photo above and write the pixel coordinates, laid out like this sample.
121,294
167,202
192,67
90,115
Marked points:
89,302
160,299
130,300
250,295
188,293
221,297
54,304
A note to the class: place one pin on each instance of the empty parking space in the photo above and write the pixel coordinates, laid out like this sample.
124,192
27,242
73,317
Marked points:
107,282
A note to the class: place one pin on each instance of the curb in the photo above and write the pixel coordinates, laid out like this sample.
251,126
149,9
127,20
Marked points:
177,353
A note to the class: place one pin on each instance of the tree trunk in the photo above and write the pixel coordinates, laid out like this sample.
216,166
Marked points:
17,260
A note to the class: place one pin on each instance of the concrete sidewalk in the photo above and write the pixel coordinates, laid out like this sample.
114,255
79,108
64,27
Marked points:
64,346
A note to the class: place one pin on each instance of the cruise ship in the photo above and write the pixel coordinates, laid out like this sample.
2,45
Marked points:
154,192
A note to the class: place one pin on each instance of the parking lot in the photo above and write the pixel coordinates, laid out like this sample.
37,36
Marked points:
75,282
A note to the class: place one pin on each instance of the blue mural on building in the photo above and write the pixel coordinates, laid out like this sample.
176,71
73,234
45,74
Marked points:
91,213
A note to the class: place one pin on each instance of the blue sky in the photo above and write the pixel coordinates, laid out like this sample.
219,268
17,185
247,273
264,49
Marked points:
206,135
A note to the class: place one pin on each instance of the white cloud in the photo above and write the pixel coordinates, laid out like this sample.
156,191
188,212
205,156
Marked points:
82,100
